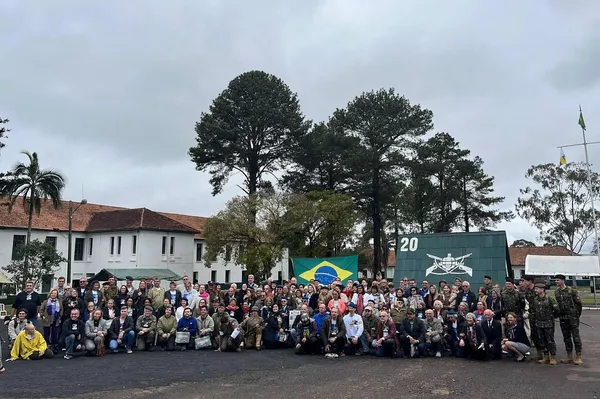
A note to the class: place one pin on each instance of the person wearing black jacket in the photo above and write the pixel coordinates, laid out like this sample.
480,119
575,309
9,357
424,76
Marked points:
73,333
173,295
472,340
493,332
467,296
122,332
412,335
516,340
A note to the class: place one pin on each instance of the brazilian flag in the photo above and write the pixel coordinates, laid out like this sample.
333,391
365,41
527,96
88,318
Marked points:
325,270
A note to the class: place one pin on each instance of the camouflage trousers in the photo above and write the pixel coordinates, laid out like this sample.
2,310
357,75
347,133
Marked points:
532,333
546,339
570,332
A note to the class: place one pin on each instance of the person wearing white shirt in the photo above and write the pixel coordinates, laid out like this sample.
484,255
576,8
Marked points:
354,332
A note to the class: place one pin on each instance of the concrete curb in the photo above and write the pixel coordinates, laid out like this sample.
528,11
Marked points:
590,308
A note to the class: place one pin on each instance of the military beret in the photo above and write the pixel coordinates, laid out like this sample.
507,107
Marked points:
540,285
528,278
443,281
149,308
487,277
458,279
560,277
509,280
129,278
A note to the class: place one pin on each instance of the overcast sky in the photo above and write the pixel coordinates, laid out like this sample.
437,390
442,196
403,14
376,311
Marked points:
108,93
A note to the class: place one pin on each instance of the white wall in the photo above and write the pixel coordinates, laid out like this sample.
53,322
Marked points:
148,254
220,267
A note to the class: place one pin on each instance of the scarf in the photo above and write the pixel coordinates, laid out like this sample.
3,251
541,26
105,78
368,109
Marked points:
360,306
472,336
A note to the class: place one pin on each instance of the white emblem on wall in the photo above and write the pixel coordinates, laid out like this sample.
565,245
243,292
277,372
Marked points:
449,265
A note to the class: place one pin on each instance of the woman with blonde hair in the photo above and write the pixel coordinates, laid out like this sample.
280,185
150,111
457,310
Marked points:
51,313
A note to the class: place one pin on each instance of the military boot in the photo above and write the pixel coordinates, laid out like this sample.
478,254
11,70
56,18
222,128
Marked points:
540,354
545,360
568,359
578,360
552,361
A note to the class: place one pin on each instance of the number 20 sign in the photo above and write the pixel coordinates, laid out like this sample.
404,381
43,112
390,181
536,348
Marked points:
409,244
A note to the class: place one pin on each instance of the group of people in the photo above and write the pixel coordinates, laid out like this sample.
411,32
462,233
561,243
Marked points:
335,320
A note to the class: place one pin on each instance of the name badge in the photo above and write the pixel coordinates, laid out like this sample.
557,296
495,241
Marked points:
145,325
74,327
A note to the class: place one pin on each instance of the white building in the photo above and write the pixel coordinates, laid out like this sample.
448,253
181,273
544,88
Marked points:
106,237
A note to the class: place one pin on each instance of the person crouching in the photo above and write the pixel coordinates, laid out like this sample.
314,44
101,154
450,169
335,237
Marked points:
231,337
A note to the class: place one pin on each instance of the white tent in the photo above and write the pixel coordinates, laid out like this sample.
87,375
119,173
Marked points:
579,266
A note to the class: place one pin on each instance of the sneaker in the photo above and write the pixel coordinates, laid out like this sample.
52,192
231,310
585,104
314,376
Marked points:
438,354
68,357
129,351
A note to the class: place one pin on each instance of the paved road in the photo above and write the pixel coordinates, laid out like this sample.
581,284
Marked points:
254,374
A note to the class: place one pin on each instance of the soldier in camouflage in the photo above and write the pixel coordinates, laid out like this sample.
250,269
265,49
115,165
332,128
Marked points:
546,310
529,316
569,312
512,300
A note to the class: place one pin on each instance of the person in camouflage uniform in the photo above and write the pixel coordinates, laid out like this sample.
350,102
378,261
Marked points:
569,312
529,316
110,291
546,310
512,299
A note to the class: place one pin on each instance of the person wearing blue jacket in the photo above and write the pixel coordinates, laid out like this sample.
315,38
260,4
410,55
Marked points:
188,324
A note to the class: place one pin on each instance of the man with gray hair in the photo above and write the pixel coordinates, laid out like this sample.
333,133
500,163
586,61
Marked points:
433,333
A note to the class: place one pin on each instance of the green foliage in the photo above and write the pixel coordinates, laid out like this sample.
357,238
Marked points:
249,226
522,243
560,204
319,161
385,128
449,190
3,131
38,260
318,224
250,129
32,185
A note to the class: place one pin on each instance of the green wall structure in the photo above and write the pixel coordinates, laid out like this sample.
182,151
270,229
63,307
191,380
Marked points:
446,256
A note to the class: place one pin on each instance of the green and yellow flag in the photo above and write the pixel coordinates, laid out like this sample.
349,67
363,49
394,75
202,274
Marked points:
581,121
325,270
563,159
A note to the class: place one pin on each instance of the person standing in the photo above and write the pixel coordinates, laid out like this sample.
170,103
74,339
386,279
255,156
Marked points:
546,310
529,315
28,300
569,312
156,294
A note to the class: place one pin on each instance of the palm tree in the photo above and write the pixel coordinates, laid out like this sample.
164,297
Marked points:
32,185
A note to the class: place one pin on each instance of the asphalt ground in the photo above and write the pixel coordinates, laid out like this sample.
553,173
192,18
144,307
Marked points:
281,373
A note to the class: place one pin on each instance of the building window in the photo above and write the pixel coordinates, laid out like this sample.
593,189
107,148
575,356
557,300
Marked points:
198,252
172,247
112,245
91,246
119,245
227,253
134,245
51,241
195,277
227,275
47,280
213,275
17,248
78,253
164,245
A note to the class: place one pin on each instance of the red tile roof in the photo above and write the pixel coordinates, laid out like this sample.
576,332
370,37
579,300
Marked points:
391,256
135,219
95,217
518,255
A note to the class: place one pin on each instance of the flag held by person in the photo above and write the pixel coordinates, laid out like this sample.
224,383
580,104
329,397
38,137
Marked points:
325,270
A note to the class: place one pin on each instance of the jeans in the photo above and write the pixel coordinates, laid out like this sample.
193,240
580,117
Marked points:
70,343
435,346
128,340
387,348
364,343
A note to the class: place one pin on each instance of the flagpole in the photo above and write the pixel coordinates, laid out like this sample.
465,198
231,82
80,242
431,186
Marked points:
591,194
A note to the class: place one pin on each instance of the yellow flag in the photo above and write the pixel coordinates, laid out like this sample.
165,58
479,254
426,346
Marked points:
563,159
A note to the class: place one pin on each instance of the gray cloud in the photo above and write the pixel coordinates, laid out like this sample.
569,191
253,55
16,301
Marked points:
109,92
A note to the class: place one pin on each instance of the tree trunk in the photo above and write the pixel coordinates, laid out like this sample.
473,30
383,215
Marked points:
28,239
465,205
253,188
376,224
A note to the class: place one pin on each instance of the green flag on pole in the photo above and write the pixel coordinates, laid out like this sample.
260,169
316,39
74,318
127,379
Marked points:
325,270
581,121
